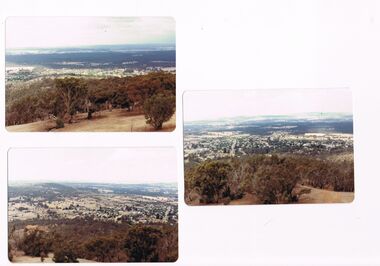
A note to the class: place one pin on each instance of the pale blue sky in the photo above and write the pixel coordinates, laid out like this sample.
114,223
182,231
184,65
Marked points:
209,105
45,32
97,165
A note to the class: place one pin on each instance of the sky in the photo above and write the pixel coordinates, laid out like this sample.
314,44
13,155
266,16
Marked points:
97,165
49,32
213,105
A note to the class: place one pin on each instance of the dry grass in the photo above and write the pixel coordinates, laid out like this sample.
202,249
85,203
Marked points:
348,156
308,195
247,199
118,120
324,196
20,258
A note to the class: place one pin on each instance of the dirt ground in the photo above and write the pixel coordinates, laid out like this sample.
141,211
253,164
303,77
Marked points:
49,259
117,120
342,157
325,196
247,199
310,195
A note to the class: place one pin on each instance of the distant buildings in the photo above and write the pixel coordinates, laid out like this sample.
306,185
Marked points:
97,206
29,73
213,145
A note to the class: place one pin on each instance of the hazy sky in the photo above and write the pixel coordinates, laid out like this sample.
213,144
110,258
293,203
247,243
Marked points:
104,165
44,32
208,105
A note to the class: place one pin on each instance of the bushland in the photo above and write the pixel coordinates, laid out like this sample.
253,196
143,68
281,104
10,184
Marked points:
270,178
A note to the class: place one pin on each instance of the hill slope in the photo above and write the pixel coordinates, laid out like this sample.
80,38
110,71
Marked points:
325,196
118,120
49,259
311,195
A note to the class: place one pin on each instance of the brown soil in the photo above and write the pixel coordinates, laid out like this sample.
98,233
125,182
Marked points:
247,199
117,120
49,259
325,196
307,195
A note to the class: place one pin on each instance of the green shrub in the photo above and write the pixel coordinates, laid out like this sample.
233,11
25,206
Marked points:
65,253
159,109
103,249
35,243
142,243
10,254
275,180
211,179
59,123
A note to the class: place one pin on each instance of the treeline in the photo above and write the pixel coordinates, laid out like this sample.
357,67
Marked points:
97,241
63,98
271,179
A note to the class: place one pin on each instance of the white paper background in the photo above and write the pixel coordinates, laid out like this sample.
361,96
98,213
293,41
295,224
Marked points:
246,45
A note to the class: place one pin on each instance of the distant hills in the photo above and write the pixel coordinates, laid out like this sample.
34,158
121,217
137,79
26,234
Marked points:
265,124
93,48
64,188
103,56
299,116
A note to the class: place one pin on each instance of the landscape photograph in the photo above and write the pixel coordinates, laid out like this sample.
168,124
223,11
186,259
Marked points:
61,210
278,146
90,74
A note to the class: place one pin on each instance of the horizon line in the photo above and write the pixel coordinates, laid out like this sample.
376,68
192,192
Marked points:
88,45
263,115
85,182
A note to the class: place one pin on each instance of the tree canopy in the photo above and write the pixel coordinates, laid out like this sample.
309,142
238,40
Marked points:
64,97
159,109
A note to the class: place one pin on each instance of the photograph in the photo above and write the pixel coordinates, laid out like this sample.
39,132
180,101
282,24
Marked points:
268,146
90,74
61,210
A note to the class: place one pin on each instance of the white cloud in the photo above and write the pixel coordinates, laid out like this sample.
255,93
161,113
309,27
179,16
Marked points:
204,105
42,32
104,165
